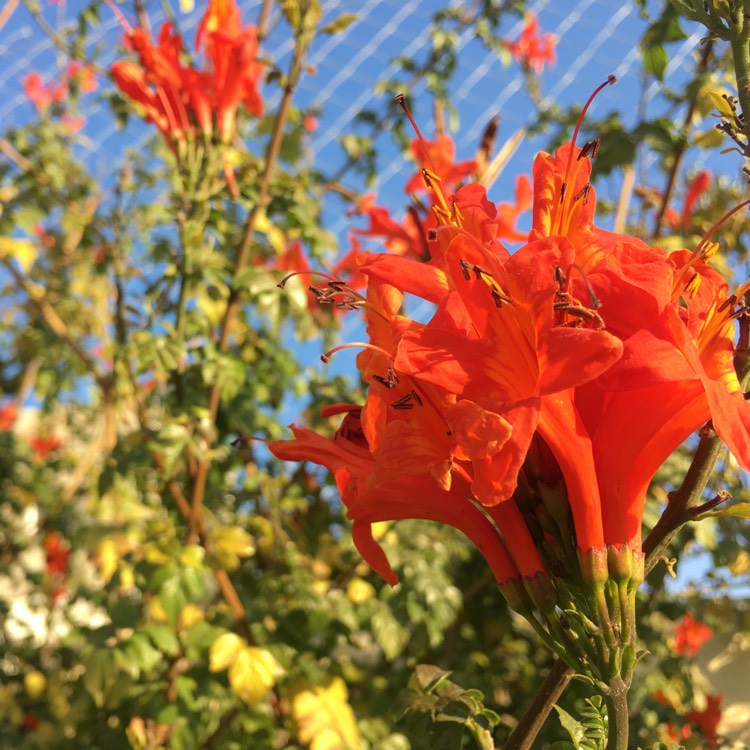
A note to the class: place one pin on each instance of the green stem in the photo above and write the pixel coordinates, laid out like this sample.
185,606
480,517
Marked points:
740,42
617,715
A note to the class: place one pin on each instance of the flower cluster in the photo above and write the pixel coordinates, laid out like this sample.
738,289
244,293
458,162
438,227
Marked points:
182,100
43,96
533,49
533,409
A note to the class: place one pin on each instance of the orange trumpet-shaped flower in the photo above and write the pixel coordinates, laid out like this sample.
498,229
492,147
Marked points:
411,495
532,48
439,157
179,98
675,318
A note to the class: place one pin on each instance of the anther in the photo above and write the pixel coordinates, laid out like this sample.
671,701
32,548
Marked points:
584,193
730,301
590,147
499,298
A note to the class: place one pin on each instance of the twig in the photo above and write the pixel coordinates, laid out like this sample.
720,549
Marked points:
538,710
242,257
680,149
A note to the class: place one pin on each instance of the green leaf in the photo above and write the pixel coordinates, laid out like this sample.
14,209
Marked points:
100,675
173,598
164,638
655,60
573,727
738,510
339,24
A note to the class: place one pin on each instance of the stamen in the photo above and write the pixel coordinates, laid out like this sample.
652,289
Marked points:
332,280
120,17
496,291
404,403
590,147
611,80
400,99
595,303
584,191
565,305
326,358
709,234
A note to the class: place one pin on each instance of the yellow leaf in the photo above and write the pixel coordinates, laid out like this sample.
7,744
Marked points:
34,684
212,306
224,651
253,673
229,544
358,591
22,250
190,614
741,564
108,559
274,234
709,139
721,104
324,718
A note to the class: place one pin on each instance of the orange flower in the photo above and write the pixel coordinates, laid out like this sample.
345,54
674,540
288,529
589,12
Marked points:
690,635
707,720
8,413
439,157
179,98
42,446
532,49
58,554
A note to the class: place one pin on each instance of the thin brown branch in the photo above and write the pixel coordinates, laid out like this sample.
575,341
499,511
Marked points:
224,723
241,260
539,708
681,148
56,324
263,19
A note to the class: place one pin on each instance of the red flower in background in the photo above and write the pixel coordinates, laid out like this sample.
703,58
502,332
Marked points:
178,98
8,413
690,635
707,720
42,95
533,49
58,556
697,187
43,445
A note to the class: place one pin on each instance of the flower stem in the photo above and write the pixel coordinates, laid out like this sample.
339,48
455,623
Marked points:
538,710
740,43
617,715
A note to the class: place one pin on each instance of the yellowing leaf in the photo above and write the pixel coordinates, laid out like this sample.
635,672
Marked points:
224,651
358,591
34,684
190,614
108,559
741,564
22,250
721,104
253,673
324,718
274,234
229,544
709,139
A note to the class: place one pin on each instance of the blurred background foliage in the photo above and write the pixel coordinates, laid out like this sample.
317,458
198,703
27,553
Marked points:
163,585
